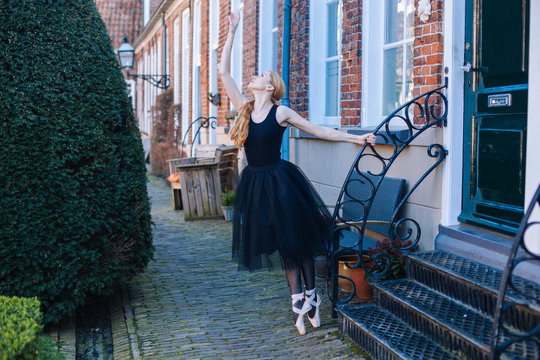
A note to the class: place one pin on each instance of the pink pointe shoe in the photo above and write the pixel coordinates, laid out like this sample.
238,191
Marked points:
314,300
306,307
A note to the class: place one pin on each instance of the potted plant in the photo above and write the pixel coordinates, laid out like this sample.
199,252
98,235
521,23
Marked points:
227,203
215,99
358,276
388,260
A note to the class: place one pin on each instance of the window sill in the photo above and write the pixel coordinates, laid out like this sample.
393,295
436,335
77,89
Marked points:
398,132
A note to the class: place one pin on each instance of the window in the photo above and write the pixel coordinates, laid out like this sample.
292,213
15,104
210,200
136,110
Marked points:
388,29
324,91
176,66
185,71
268,39
236,56
146,12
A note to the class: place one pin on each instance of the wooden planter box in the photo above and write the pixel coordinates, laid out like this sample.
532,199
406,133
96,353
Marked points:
201,190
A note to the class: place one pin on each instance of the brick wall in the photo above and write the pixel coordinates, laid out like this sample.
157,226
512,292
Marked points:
122,18
428,50
351,65
251,42
299,62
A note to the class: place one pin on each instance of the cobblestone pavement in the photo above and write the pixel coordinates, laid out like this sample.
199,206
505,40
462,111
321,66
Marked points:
193,303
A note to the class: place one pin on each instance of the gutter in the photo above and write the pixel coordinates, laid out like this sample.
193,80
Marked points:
286,58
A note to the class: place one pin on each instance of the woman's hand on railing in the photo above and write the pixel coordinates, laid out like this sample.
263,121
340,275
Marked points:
370,138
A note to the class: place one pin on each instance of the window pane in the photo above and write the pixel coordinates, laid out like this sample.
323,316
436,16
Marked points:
410,19
332,34
392,79
275,17
393,21
332,92
408,73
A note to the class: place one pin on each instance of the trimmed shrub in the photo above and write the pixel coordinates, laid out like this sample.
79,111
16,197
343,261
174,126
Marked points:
165,142
74,211
19,327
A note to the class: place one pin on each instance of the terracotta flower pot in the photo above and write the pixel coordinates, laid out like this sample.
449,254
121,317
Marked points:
364,291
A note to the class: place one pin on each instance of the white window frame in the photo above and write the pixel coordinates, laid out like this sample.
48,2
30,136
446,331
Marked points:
317,62
268,58
185,71
196,87
146,12
373,28
176,66
238,47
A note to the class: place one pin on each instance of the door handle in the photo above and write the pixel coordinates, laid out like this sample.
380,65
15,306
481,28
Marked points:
467,67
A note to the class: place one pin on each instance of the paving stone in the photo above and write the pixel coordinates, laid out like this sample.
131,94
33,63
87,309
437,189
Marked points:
193,303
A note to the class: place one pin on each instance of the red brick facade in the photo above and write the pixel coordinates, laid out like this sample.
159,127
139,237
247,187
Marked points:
427,52
351,64
299,65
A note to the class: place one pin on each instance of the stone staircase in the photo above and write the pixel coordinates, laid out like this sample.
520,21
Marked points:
442,310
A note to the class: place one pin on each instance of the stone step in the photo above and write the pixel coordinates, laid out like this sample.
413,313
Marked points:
475,285
384,336
445,321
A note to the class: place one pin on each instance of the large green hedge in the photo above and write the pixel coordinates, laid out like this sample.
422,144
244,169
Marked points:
74,211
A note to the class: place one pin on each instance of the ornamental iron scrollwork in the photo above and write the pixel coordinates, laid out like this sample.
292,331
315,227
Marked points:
202,122
360,191
524,293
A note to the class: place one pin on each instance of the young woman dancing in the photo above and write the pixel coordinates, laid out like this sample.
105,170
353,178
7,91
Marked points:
276,207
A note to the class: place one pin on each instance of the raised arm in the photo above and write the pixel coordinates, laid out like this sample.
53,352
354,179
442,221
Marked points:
287,115
225,65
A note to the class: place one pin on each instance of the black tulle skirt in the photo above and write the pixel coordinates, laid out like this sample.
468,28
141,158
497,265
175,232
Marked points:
277,209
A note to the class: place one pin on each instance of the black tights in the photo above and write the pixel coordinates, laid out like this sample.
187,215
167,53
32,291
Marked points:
293,269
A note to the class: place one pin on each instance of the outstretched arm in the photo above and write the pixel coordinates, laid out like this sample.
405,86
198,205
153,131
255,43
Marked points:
225,64
286,114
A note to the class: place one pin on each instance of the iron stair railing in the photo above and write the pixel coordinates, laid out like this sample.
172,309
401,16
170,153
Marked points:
204,123
416,116
503,336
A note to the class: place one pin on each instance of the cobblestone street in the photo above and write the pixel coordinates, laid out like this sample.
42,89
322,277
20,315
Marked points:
192,303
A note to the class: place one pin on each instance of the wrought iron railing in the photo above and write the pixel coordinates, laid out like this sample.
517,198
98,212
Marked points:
369,169
522,252
203,123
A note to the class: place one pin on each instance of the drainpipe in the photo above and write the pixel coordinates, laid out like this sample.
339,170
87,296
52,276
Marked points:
286,55
164,44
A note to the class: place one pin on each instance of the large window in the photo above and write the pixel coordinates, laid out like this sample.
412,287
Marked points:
324,91
196,76
268,39
397,53
236,56
185,71
176,66
388,36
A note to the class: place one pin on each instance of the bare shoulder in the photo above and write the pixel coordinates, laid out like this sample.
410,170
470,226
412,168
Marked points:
283,114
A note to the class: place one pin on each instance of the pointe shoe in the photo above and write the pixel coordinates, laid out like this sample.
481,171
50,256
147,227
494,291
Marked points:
306,307
314,301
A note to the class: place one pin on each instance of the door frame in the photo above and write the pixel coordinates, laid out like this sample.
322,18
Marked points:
453,55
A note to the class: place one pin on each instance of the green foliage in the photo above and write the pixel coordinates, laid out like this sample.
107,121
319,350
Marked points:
47,349
74,211
19,327
227,198
388,261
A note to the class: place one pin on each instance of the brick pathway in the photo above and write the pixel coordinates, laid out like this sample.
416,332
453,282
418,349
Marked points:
192,303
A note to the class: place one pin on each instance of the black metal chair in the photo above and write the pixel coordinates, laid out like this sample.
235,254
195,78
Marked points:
381,213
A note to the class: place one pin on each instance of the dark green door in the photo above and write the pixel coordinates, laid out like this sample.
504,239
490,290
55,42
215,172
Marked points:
495,112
